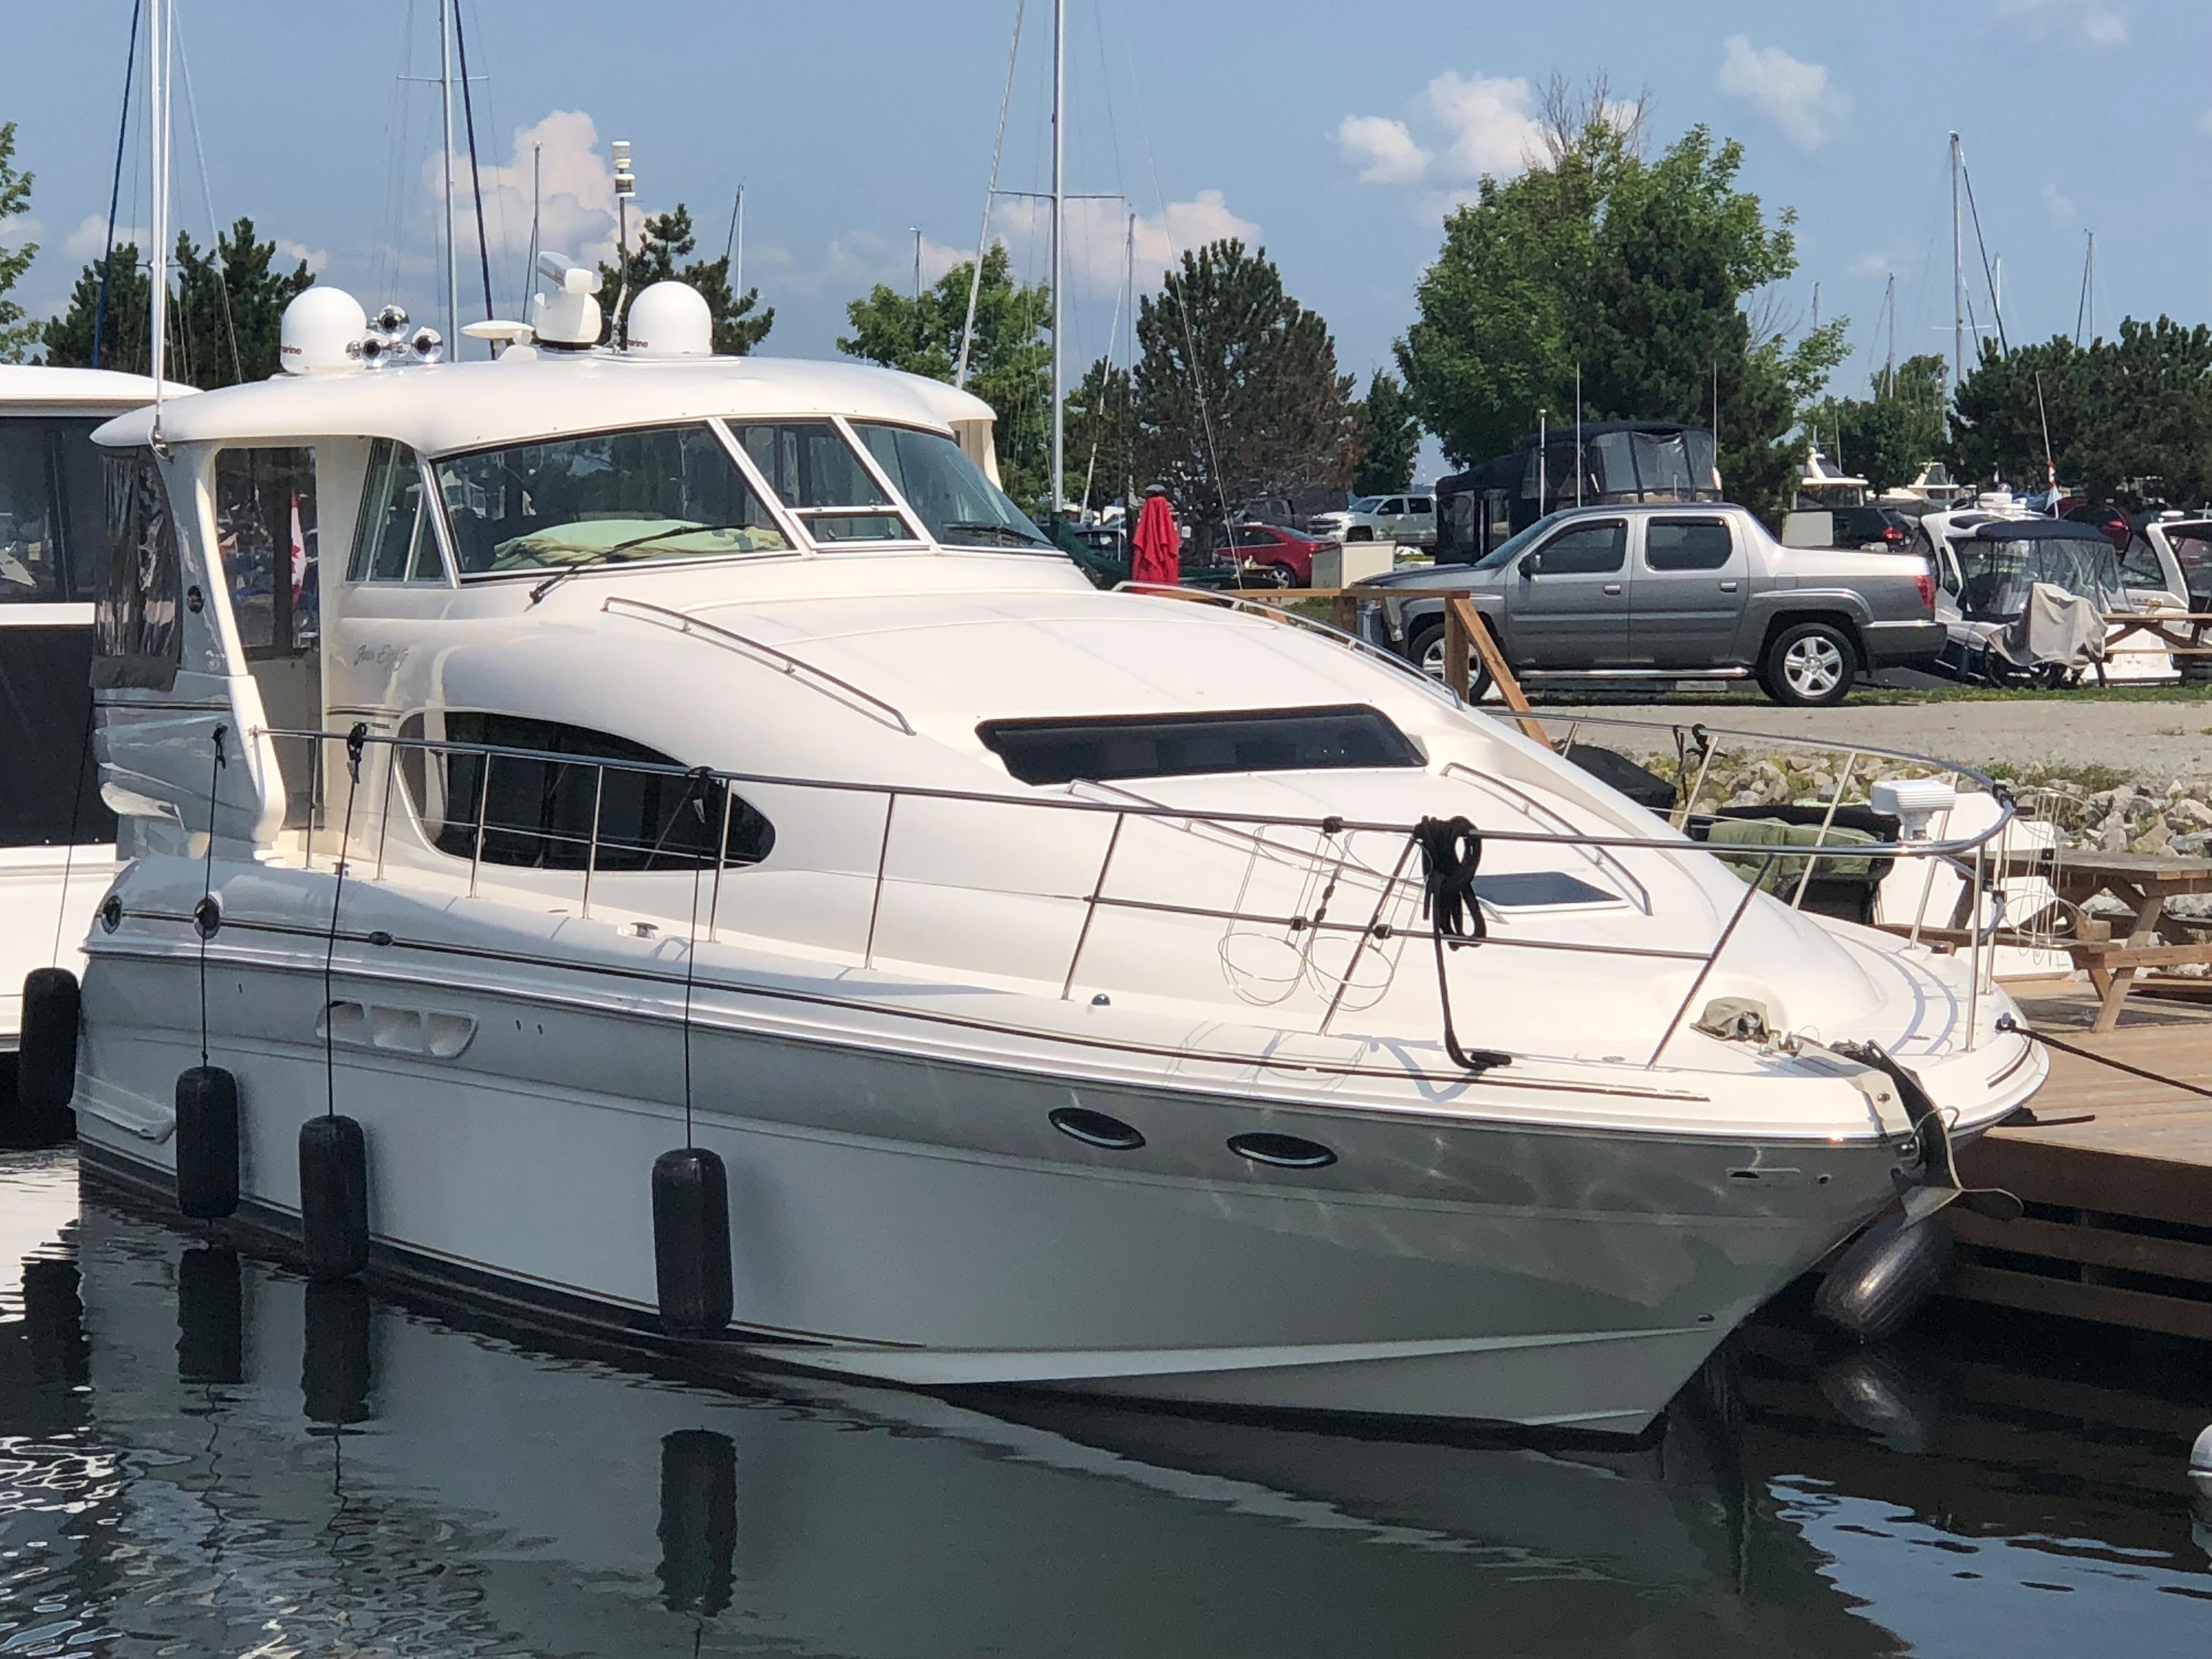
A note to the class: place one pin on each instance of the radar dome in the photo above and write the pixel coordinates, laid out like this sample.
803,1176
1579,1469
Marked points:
670,319
321,332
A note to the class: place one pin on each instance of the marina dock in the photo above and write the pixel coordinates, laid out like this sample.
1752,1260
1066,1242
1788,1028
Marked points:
2116,1174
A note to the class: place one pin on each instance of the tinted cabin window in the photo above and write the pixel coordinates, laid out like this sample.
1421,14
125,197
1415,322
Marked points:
49,510
394,538
1684,545
141,592
814,473
537,811
1181,745
265,522
657,493
1590,549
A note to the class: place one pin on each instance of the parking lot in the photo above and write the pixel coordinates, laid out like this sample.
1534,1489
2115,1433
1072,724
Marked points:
2153,740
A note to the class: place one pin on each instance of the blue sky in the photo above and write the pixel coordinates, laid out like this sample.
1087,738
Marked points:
1337,136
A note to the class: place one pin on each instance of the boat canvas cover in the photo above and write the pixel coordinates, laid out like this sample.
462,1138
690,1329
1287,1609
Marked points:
2035,592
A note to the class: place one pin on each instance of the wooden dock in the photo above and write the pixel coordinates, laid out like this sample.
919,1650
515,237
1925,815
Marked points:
2117,1176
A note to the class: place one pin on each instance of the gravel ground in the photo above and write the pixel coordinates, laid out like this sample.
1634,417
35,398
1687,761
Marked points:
2152,740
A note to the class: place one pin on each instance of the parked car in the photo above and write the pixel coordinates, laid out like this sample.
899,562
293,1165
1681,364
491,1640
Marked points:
1409,519
1881,529
1272,556
1672,593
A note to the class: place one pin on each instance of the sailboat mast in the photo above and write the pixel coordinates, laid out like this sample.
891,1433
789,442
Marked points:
157,101
446,104
1059,228
1958,276
1889,363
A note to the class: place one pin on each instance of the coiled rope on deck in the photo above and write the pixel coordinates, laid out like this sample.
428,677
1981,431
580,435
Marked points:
1451,853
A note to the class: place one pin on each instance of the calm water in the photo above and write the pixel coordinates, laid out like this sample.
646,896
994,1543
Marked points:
201,1455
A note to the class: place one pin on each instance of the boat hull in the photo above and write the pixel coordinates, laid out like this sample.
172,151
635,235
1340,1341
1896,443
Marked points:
901,1218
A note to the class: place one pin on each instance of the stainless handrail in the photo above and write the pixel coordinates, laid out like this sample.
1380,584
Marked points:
780,660
1125,809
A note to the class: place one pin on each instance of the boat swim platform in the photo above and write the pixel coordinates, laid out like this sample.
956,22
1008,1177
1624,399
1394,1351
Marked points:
2116,1173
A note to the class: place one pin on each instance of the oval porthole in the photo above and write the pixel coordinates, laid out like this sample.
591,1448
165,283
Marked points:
1096,1129
1283,1151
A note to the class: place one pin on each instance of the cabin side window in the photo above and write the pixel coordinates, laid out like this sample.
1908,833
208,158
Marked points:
49,502
141,591
394,540
266,529
536,809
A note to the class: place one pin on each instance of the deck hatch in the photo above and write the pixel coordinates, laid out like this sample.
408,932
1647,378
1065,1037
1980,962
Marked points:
1102,748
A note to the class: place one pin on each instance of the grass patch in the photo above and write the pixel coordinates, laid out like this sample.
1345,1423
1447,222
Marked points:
2091,778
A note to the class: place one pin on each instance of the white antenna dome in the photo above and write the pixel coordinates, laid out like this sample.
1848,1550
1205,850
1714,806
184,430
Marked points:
670,319
321,332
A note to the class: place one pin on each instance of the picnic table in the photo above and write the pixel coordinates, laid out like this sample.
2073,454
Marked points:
2143,881
2181,632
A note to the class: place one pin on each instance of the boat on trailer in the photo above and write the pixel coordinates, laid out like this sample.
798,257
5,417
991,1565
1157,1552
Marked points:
1108,991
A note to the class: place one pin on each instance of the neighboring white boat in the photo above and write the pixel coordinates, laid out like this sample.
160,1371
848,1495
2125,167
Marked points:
54,831
720,760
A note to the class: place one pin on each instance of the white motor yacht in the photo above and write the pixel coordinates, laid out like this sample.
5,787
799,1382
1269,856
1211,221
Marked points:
1100,991
57,838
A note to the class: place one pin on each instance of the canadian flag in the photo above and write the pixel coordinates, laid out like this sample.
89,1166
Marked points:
299,552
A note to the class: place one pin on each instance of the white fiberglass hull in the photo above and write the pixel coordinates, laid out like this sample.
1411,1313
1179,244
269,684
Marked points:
46,898
910,1216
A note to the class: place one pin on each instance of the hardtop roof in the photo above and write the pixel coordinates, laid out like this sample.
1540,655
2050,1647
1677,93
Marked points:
44,386
440,408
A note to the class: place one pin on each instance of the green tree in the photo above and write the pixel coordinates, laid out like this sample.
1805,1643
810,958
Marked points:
2135,407
1887,438
1390,436
1636,271
1238,400
666,238
1009,364
226,311
15,333
1101,437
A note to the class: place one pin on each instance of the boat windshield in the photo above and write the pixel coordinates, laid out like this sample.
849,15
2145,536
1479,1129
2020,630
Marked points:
1996,576
655,493
821,480
961,507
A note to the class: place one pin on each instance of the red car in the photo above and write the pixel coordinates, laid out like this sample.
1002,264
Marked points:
1277,557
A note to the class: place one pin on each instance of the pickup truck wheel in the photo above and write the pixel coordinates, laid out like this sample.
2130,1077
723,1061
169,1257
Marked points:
1811,665
1425,646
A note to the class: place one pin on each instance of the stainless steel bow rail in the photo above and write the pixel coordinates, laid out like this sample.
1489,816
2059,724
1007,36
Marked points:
1329,857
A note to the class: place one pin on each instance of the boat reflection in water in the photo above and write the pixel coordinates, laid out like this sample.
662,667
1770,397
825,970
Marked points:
201,1452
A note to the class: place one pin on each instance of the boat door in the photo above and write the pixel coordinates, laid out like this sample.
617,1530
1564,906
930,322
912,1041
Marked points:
1566,602
265,528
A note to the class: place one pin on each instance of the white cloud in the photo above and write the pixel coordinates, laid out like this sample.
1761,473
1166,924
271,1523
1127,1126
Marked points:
1493,123
290,253
576,195
1880,262
2058,206
2095,23
1793,94
1383,149
1097,233
2204,122
89,239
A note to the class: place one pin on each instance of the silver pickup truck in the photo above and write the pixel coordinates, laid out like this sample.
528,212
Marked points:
1671,592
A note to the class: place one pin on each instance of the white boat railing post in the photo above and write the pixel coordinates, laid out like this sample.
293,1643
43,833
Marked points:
483,804
883,857
1090,906
1974,950
383,826
721,859
591,846
1835,800
1372,930
1705,971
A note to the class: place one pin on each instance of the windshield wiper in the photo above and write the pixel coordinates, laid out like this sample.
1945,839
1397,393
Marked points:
1021,538
615,555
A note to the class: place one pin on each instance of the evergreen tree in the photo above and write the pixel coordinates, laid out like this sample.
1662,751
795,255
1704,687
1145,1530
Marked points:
666,238
1101,437
1009,365
1238,401
16,332
1390,438
226,311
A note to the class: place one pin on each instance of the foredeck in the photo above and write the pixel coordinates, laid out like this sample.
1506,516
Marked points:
2117,1175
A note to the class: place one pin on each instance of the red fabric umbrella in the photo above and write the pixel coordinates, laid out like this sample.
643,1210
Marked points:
1157,547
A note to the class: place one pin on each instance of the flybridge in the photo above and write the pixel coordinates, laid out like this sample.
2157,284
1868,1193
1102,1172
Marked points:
326,331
